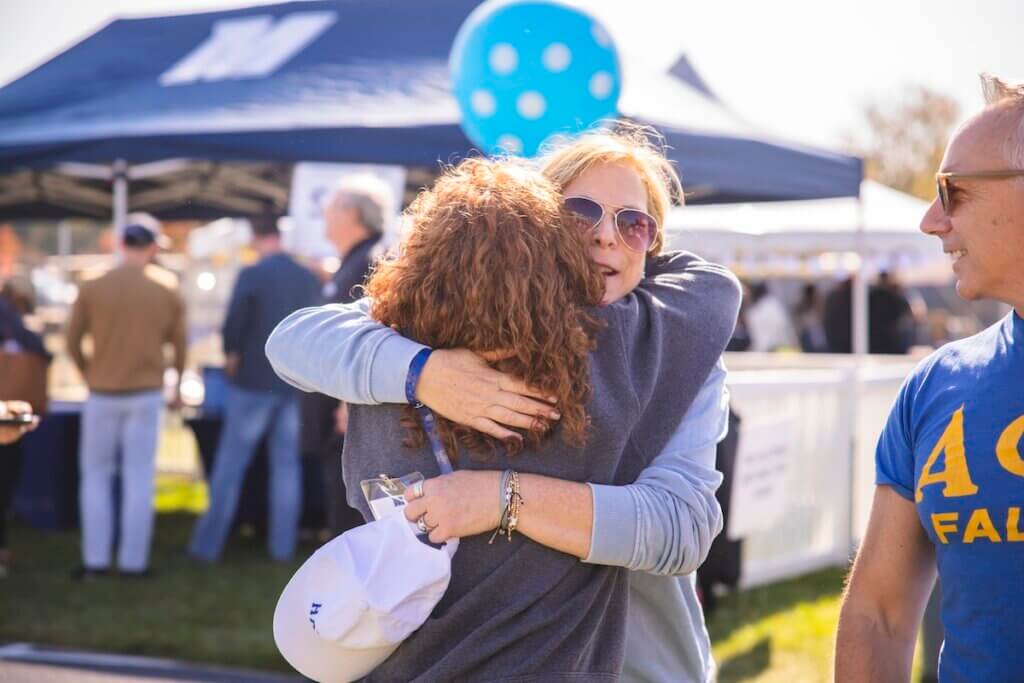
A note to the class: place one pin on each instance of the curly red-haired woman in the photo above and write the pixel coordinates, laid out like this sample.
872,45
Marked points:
494,232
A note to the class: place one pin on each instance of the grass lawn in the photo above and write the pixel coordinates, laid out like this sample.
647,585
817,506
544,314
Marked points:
217,614
783,633
222,614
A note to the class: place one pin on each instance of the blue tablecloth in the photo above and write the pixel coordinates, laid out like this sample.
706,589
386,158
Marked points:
47,493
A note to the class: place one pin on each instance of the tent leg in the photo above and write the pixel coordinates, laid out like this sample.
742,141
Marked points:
859,330
860,312
120,178
860,289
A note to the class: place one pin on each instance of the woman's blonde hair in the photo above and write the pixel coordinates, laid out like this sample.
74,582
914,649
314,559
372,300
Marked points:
628,144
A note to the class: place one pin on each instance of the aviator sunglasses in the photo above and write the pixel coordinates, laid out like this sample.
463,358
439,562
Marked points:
636,228
945,186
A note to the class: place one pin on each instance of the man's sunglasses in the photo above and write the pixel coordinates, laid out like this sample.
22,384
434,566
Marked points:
636,228
945,186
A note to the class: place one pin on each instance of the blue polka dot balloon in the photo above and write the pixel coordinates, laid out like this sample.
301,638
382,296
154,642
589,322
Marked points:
526,70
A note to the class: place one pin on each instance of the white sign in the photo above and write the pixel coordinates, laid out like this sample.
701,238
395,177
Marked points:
248,47
312,183
761,475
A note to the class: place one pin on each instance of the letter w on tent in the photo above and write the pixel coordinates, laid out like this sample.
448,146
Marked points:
249,47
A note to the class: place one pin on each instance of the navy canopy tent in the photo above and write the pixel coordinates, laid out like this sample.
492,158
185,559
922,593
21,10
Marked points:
343,80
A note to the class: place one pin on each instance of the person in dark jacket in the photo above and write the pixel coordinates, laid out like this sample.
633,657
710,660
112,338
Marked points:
355,215
258,402
890,317
14,337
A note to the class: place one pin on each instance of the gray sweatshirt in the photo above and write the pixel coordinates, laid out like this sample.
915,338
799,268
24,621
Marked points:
520,611
661,526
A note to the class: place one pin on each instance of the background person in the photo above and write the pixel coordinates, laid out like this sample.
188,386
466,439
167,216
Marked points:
837,318
355,216
768,321
810,312
891,323
257,402
17,345
131,314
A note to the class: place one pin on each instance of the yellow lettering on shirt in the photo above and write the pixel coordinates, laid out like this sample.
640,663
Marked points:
980,525
1013,526
944,523
956,478
1006,448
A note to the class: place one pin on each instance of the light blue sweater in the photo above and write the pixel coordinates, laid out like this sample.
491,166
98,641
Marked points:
661,526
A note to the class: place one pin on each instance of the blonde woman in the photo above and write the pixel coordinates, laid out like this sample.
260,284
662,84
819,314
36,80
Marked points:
618,187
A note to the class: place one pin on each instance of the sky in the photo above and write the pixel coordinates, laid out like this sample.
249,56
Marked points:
800,69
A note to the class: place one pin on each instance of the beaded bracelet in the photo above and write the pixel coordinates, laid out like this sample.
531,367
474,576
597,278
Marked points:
515,501
512,502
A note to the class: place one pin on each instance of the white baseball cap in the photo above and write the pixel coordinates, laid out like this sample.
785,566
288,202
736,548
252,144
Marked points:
354,601
142,230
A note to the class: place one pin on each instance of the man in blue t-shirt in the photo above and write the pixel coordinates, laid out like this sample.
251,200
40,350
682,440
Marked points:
950,461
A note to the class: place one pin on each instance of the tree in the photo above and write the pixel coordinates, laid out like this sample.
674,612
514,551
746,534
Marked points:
903,141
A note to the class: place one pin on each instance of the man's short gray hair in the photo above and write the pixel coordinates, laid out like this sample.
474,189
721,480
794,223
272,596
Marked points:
1007,97
368,195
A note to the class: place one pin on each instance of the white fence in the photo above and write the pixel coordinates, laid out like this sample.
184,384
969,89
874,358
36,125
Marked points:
835,411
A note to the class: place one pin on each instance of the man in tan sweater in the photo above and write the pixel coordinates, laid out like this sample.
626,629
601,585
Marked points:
131,314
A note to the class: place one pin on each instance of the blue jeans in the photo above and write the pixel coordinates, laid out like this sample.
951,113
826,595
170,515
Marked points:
129,424
248,415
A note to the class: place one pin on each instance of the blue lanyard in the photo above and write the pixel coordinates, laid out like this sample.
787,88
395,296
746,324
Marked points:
430,427
429,424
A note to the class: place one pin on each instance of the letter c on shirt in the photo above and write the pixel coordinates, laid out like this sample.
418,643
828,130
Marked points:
1006,447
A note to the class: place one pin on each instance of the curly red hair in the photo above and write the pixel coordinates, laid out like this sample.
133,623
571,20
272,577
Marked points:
489,264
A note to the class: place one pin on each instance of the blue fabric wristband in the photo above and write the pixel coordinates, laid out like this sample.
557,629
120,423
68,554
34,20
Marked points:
413,377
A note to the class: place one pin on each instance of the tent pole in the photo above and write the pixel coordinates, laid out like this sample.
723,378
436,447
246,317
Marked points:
119,173
860,348
860,289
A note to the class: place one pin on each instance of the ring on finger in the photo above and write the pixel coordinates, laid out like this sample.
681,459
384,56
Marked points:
417,490
421,524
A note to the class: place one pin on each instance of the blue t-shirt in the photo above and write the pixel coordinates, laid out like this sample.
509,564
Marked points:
953,446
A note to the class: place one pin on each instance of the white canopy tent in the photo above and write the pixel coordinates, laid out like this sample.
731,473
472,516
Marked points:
814,236
817,237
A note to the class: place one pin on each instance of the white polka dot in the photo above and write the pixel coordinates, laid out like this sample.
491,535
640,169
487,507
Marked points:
510,144
600,35
556,57
503,59
483,104
601,85
531,105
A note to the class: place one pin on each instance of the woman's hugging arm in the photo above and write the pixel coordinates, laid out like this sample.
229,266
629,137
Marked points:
665,521
334,350
672,330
